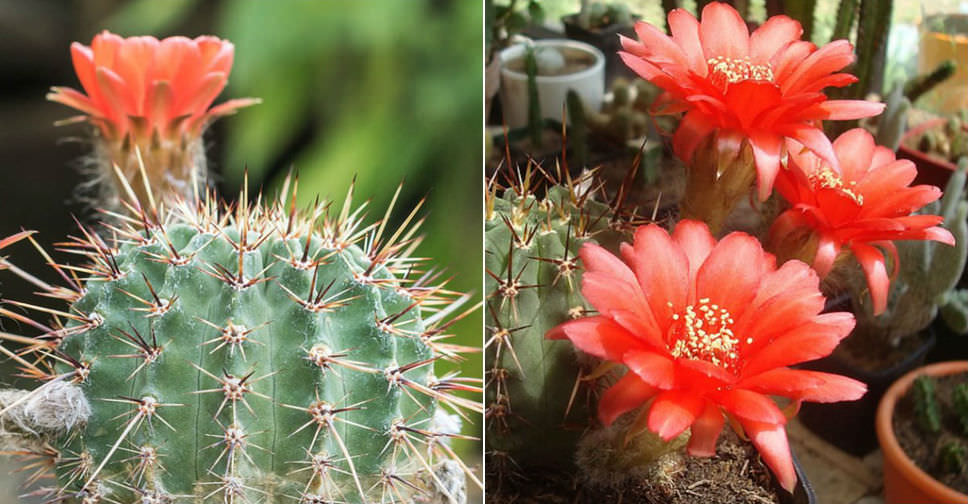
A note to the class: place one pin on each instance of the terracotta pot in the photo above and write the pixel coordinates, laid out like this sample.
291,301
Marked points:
931,169
904,482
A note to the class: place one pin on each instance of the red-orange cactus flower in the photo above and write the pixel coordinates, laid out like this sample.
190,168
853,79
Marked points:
766,85
141,85
866,203
155,96
707,330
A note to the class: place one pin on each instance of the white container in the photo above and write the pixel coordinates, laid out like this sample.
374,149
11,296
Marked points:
588,81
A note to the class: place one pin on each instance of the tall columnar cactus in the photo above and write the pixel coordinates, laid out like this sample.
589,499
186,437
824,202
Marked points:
929,273
536,395
246,354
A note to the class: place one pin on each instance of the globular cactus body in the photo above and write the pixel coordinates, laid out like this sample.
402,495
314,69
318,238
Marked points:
536,398
255,357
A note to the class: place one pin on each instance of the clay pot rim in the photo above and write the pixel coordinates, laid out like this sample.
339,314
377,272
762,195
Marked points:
892,450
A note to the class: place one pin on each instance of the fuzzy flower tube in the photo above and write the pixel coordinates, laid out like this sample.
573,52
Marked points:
151,99
865,204
708,331
762,87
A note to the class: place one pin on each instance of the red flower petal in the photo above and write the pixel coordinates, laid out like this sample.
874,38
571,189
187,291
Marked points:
766,152
685,32
806,342
732,273
872,260
723,32
849,109
771,441
598,336
696,242
662,272
749,405
772,35
628,393
804,385
653,369
705,431
672,412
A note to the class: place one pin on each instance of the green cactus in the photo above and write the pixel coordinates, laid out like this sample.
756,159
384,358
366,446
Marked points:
874,24
959,402
926,405
254,354
954,457
846,12
892,123
918,86
536,398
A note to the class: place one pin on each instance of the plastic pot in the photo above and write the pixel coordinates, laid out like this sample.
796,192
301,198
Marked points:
944,37
803,492
606,40
848,425
588,82
904,482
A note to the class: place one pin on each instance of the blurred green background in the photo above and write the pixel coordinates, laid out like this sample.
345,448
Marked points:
383,91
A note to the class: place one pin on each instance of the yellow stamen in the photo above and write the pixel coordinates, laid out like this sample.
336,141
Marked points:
705,333
826,178
735,70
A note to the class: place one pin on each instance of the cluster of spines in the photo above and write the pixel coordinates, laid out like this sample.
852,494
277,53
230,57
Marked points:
44,358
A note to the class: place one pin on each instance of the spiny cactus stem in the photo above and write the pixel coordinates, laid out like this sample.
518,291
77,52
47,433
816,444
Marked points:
926,404
954,457
960,404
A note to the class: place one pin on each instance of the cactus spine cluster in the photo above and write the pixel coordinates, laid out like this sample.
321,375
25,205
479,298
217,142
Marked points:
536,388
252,354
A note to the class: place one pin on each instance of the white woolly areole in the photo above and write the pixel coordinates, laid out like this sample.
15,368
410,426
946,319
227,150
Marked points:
53,408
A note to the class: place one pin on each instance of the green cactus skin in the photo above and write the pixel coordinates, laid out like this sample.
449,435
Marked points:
959,403
954,457
926,410
892,123
918,86
874,23
846,12
254,355
536,402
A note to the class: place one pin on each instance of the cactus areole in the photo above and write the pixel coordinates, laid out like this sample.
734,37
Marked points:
253,354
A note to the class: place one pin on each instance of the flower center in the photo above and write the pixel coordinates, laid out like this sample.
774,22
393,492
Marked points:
703,331
825,178
724,71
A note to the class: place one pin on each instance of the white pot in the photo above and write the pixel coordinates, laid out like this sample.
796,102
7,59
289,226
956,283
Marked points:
588,82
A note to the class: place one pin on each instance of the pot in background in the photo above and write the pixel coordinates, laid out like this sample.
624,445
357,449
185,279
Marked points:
905,482
588,81
944,37
606,39
849,425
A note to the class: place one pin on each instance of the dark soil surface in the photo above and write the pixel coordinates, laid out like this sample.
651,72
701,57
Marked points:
923,448
735,475
868,352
